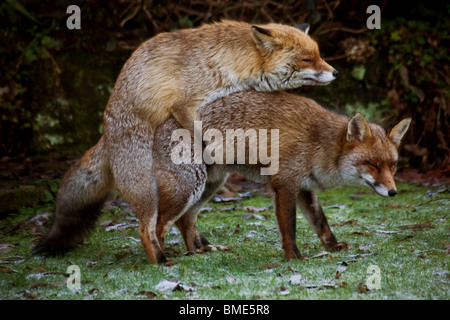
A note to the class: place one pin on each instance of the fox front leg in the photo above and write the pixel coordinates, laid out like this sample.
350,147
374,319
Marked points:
311,209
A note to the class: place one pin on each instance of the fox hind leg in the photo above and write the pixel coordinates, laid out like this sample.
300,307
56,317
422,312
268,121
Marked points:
132,164
138,186
193,239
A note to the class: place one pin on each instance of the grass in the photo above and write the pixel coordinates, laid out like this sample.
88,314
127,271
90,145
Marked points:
407,237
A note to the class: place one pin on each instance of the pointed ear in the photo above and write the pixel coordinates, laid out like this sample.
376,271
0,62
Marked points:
304,27
358,129
398,131
263,38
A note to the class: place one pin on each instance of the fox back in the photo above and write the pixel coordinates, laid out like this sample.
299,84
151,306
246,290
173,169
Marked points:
179,72
317,147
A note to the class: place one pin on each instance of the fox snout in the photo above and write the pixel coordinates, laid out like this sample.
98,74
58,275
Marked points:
392,192
382,183
323,74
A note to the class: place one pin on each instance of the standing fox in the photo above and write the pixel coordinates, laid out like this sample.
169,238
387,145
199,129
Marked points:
317,149
175,74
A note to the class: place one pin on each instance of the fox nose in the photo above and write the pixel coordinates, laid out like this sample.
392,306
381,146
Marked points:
335,73
392,192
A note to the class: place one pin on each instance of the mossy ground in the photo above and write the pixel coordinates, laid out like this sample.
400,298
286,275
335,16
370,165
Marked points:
406,237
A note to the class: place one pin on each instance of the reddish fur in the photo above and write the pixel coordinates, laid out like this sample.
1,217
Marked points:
173,74
318,149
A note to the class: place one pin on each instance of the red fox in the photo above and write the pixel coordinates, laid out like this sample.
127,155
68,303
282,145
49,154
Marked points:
317,149
176,74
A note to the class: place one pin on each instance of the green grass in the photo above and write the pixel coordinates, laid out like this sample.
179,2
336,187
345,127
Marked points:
407,237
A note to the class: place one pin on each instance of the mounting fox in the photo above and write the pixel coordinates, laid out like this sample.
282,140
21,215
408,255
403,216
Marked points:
318,149
176,74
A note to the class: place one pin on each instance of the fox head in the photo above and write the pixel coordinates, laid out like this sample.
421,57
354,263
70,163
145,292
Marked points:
370,153
291,58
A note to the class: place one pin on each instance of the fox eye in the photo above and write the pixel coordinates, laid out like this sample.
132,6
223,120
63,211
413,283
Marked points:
394,166
372,165
307,60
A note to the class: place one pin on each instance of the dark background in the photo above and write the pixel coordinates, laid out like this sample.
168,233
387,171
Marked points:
55,82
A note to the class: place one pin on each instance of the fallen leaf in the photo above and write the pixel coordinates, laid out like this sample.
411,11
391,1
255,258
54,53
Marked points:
4,248
121,226
360,233
228,194
386,231
219,199
107,223
38,285
320,254
237,229
296,279
340,224
339,206
166,285
121,255
40,219
6,270
247,194
148,294
396,206
254,216
256,210
340,269
37,269
418,227
226,209
362,288
251,234
93,290
284,291
12,259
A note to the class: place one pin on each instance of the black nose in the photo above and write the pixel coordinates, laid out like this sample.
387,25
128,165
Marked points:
392,193
335,73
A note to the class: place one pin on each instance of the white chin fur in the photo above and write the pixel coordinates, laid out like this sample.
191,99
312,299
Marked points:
370,181
312,77
381,190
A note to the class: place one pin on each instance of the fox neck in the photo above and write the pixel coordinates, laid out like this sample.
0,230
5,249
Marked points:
326,170
262,81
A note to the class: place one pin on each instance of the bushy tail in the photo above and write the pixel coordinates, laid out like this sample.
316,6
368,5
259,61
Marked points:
80,198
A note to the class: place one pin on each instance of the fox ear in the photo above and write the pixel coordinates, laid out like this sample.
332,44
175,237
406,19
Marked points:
304,27
263,38
398,131
358,129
